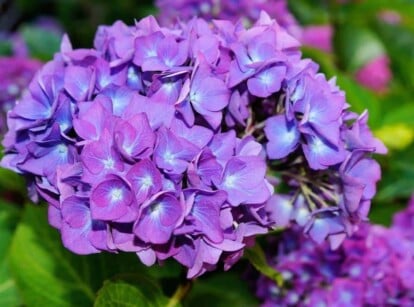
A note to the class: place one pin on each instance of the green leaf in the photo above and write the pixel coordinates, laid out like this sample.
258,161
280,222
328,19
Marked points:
45,273
133,291
5,48
361,9
403,114
42,44
257,258
9,217
397,176
220,290
382,213
356,46
10,181
399,42
309,11
49,275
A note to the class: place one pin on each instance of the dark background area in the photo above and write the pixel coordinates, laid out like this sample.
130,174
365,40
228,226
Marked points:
79,18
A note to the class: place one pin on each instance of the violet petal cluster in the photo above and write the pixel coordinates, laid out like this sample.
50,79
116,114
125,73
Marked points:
130,145
324,150
373,268
327,165
159,141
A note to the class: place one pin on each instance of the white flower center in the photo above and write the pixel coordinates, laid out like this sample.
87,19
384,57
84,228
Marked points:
230,181
318,146
62,149
116,194
109,163
13,90
146,181
169,157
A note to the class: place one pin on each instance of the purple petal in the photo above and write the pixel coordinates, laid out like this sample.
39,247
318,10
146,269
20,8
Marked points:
78,227
320,154
173,153
159,219
110,199
79,82
206,211
100,157
283,137
135,138
267,82
242,176
208,94
280,209
145,180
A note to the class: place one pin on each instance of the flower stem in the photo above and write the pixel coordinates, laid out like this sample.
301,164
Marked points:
180,293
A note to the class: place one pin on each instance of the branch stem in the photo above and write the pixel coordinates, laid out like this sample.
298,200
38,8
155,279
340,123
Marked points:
179,294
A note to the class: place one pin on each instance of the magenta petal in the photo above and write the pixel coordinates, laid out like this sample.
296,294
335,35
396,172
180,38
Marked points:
100,157
208,94
135,138
198,135
242,178
159,218
75,212
206,211
147,256
91,119
145,180
110,199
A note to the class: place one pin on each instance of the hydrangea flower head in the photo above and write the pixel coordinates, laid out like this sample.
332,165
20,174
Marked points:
373,268
158,141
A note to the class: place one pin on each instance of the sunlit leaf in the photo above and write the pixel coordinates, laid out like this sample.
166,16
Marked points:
49,275
257,258
136,291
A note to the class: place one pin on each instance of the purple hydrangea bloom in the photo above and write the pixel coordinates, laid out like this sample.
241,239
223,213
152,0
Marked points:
161,140
327,152
130,148
373,268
